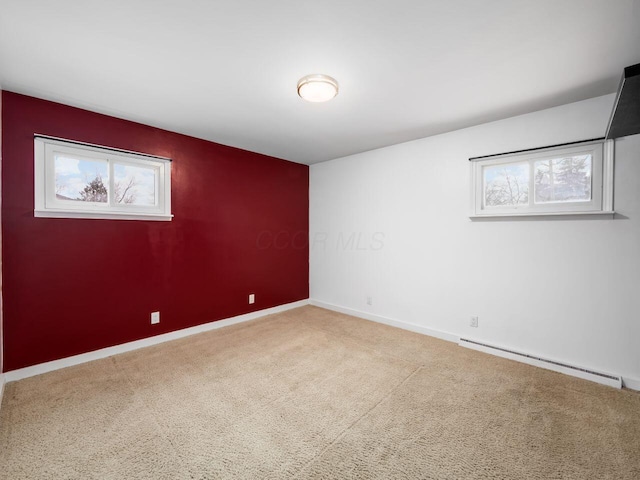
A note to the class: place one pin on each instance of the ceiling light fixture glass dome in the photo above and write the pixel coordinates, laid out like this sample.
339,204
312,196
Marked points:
317,88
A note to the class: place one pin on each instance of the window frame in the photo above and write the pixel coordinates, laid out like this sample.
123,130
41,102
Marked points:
47,205
601,182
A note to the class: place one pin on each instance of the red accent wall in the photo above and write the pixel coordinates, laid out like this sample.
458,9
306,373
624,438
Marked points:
74,285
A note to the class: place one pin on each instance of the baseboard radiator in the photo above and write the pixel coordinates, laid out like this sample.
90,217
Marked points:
599,377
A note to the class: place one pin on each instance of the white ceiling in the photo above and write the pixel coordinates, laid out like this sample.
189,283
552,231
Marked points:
226,70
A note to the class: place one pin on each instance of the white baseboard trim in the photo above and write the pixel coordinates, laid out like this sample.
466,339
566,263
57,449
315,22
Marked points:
33,370
2,381
450,337
631,383
627,382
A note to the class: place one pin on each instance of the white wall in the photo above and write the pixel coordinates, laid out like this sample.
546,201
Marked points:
563,288
1,337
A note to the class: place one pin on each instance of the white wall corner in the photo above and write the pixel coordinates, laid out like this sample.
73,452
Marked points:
412,327
1,304
41,368
631,383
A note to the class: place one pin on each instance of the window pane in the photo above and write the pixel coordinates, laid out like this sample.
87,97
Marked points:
506,185
135,185
565,179
80,179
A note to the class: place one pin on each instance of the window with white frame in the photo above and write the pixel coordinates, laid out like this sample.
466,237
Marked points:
576,179
76,180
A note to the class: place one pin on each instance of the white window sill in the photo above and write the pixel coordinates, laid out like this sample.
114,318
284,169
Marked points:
542,214
104,216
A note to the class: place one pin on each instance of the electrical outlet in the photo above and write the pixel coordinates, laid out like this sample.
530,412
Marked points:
474,322
155,318
252,298
369,301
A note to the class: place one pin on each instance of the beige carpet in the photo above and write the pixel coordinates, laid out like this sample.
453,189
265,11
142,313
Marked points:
314,394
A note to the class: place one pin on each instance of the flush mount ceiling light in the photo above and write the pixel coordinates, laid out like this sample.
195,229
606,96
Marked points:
317,88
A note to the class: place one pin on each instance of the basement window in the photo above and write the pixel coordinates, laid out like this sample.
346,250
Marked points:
77,180
568,180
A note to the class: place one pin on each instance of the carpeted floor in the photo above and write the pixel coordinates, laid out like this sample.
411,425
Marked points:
311,393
